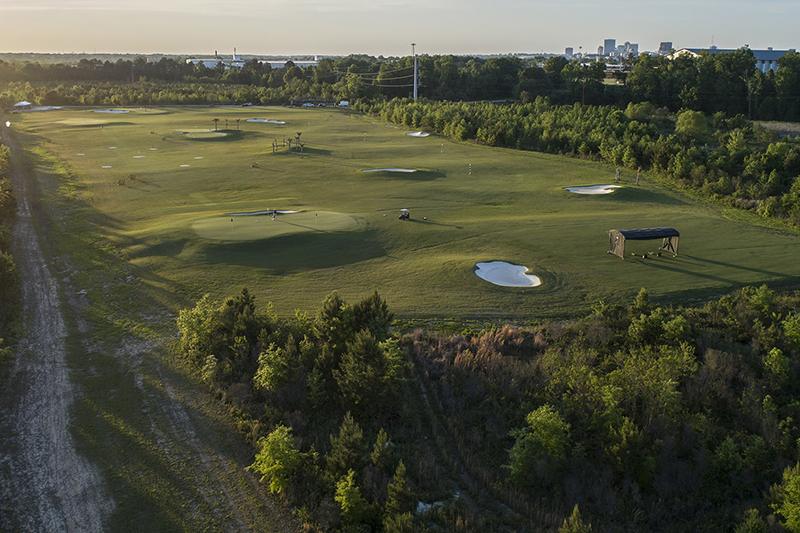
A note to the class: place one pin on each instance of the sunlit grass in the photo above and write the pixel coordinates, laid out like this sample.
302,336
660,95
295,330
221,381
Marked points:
162,204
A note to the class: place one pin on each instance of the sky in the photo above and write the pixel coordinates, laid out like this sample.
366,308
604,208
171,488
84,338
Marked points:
388,27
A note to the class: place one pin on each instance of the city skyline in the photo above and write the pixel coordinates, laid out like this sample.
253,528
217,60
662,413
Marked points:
386,27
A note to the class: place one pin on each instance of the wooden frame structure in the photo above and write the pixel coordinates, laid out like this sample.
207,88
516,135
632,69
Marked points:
617,238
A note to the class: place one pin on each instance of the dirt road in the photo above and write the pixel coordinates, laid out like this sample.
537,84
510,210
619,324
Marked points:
155,451
49,486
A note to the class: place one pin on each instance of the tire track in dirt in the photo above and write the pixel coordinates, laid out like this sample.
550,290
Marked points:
48,485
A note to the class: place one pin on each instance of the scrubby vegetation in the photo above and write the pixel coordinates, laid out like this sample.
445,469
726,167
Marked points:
9,275
664,418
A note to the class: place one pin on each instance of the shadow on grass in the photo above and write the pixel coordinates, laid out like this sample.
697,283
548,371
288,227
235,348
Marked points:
738,267
297,252
640,195
419,175
659,264
103,125
229,136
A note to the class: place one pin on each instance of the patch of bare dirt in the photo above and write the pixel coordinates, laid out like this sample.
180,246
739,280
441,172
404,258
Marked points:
48,485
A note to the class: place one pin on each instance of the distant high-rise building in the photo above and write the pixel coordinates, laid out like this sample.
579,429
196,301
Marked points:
609,47
599,50
568,53
664,48
629,49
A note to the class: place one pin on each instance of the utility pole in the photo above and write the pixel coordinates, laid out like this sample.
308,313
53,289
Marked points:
415,69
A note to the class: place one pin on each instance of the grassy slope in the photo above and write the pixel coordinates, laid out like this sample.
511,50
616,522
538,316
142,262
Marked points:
512,207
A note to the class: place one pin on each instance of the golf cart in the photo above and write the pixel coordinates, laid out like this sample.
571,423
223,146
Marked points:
404,214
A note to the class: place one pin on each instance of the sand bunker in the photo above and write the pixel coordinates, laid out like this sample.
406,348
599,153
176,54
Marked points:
153,149
111,111
593,189
199,157
390,170
417,134
184,166
265,120
106,166
138,157
506,274
112,147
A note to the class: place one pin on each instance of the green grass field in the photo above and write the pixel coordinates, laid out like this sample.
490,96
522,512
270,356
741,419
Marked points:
170,184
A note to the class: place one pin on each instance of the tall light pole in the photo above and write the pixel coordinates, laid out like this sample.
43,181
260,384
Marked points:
415,69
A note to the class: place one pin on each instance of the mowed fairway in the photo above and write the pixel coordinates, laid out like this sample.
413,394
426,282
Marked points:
169,192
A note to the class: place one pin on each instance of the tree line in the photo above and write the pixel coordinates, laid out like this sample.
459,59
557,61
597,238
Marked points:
687,412
9,276
726,82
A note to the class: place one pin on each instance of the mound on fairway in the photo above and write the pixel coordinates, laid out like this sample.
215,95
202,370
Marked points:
82,122
267,212
593,189
254,227
417,134
390,170
206,134
506,274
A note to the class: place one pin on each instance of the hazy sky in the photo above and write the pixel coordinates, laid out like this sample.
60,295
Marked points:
388,27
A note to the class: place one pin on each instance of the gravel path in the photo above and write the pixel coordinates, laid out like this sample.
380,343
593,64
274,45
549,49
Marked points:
47,484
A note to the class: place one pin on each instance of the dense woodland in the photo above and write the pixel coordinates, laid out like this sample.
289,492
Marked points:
647,418
9,276
724,82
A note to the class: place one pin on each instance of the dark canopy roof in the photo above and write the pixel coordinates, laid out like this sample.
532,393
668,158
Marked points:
648,233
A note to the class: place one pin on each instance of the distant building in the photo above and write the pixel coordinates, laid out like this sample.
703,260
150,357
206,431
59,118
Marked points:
665,48
609,47
238,62
568,53
629,49
766,60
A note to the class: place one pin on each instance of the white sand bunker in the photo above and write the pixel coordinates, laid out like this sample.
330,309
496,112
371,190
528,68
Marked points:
506,274
265,120
593,189
184,166
390,170
106,166
417,134
111,111
138,157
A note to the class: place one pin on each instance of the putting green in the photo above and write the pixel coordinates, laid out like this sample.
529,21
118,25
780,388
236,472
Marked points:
82,122
205,135
256,227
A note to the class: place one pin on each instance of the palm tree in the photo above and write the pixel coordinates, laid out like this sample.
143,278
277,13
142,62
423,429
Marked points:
215,123
237,124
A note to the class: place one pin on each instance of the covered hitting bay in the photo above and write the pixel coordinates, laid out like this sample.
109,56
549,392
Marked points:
617,237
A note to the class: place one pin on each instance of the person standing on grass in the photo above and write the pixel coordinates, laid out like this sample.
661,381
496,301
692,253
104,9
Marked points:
637,175
616,179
